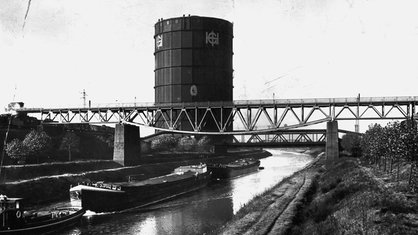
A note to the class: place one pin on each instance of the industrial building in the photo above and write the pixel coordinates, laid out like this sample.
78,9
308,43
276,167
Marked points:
193,62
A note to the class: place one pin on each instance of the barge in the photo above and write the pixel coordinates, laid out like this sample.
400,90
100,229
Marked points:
234,169
15,220
108,197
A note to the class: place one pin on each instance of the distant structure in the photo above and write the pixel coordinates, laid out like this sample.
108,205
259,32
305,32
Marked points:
84,97
13,106
357,125
193,61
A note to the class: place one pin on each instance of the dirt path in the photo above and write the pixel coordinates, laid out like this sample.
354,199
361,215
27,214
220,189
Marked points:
273,212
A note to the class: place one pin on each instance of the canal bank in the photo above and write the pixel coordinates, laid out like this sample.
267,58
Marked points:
202,211
345,197
272,212
46,189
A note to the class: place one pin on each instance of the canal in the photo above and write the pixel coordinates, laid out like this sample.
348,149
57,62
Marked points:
199,212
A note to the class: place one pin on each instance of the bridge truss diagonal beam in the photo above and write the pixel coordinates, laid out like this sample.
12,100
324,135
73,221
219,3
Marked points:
285,138
250,116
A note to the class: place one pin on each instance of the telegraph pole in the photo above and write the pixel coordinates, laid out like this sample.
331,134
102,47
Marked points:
84,95
357,125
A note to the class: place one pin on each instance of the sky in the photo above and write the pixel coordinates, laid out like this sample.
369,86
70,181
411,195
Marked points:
282,48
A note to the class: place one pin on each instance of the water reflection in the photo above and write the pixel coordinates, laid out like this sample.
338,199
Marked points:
280,165
147,227
197,212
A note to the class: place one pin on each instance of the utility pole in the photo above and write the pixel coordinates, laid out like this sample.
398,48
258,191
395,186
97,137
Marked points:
357,125
84,95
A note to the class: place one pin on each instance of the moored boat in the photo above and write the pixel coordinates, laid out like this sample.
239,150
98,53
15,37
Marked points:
234,169
14,220
107,197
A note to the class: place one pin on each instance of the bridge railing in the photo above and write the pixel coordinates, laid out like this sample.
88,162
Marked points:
247,116
350,100
307,101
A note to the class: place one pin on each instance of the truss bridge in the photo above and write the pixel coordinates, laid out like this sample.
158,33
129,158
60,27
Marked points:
260,123
237,117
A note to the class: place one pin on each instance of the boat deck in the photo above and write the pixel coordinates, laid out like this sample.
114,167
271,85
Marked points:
241,163
161,179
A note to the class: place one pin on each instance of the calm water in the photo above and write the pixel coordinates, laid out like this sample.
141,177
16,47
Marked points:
198,212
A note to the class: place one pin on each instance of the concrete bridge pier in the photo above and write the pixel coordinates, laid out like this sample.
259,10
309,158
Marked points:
127,148
332,150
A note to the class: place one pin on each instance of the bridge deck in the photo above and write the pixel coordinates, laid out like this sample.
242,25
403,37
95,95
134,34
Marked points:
245,116
308,102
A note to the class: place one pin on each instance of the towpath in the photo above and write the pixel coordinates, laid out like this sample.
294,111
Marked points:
272,212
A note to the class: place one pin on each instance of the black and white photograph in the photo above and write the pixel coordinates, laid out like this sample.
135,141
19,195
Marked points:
293,117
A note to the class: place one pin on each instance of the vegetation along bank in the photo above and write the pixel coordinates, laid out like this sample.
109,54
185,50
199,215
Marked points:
371,189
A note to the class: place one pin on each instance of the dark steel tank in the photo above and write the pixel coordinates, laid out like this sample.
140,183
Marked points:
193,62
193,58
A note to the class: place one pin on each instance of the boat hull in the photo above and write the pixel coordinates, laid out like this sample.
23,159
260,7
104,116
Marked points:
137,196
47,226
225,171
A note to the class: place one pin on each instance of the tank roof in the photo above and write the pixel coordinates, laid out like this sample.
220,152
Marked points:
192,16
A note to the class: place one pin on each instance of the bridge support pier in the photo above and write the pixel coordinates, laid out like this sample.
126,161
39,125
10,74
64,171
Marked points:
332,150
127,148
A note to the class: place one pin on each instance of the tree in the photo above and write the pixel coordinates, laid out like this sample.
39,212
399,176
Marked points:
372,143
395,145
186,143
164,142
37,142
204,143
70,142
16,150
351,143
396,141
410,139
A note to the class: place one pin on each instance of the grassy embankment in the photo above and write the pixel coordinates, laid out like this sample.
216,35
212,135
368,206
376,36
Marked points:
12,173
350,198
344,197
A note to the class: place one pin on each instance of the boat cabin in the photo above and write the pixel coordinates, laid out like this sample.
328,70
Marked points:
201,168
11,212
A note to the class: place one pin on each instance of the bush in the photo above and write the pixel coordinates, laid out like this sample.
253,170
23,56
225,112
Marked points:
17,151
38,144
329,226
204,143
330,186
186,143
164,143
321,210
396,203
